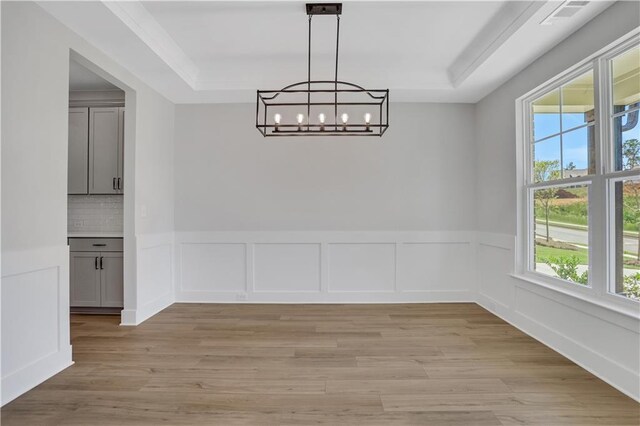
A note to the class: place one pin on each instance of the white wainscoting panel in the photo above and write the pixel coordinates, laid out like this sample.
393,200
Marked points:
324,267
362,267
602,341
155,277
35,318
218,267
435,266
495,265
283,267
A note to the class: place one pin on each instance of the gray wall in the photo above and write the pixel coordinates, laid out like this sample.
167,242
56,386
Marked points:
495,114
35,264
419,176
604,341
35,100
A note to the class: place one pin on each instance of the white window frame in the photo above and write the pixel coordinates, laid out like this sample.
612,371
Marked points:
600,184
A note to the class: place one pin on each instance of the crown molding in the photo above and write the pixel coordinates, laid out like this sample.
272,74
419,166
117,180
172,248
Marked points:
511,17
138,19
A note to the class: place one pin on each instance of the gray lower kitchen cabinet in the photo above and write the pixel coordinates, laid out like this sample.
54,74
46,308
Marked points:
84,279
96,150
96,278
112,280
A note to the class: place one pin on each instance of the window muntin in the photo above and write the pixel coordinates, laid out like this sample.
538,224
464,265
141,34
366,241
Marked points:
562,123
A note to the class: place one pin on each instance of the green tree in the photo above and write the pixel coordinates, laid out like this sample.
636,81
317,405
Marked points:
570,166
631,199
631,153
544,171
567,268
632,286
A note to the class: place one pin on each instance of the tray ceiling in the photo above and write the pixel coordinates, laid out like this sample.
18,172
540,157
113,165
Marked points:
217,51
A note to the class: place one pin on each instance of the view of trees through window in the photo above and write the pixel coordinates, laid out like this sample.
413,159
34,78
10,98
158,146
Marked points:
564,145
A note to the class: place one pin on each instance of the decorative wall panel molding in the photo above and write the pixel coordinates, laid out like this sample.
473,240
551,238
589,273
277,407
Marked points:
40,277
314,267
155,276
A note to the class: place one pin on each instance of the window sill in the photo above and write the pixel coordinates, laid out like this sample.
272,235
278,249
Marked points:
632,312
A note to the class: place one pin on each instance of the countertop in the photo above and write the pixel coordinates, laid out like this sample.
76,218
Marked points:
97,234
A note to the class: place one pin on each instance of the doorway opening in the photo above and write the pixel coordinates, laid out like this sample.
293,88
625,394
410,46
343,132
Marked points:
97,184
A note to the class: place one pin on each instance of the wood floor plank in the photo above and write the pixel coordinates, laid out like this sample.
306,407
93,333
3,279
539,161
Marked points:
242,364
416,387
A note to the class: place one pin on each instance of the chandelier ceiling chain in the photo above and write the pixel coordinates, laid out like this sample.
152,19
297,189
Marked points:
344,97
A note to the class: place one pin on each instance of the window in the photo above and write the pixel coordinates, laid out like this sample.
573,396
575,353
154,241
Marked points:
562,145
625,191
580,196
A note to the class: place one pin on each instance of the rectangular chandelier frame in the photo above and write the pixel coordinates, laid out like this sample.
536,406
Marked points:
273,105
267,100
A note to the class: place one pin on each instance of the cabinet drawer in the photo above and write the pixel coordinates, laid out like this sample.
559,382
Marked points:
95,244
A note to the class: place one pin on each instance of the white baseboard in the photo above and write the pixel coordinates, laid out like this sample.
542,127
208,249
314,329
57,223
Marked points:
32,375
326,298
143,313
128,317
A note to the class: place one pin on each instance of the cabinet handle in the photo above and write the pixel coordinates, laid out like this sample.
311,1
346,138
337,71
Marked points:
95,263
101,262
114,184
99,245
119,183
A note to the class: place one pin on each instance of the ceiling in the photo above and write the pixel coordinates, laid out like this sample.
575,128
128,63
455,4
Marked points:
81,78
223,51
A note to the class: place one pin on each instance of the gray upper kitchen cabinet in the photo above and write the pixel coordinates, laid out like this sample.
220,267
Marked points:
120,181
84,280
96,151
112,280
78,151
104,140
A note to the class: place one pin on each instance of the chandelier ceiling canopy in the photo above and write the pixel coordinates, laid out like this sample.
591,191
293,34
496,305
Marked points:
323,107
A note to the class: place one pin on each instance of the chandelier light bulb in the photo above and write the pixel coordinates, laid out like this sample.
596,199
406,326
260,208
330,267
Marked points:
277,118
344,117
367,118
321,118
300,118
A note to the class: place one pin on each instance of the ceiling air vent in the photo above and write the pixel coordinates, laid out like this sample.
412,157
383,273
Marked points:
564,11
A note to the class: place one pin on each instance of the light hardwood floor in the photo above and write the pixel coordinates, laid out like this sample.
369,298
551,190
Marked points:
427,364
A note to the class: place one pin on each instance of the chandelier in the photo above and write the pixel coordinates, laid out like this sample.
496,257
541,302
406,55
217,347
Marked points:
323,107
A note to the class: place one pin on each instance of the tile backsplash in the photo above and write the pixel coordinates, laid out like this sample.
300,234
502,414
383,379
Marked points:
95,213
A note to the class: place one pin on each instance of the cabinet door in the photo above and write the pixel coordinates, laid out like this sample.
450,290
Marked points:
120,183
78,167
84,279
103,150
112,280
